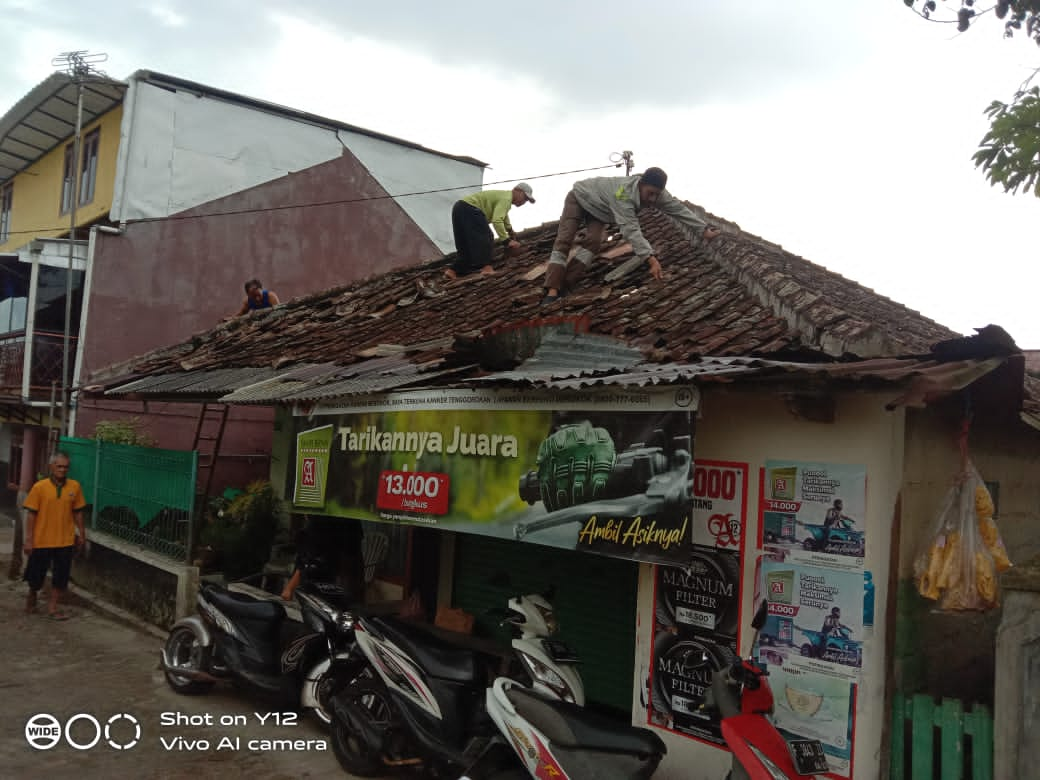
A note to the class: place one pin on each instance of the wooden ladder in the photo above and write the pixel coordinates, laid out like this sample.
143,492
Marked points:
209,432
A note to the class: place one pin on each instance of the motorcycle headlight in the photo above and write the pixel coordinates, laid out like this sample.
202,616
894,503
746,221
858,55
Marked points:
774,771
548,677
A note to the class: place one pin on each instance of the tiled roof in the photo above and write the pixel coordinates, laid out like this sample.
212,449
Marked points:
738,296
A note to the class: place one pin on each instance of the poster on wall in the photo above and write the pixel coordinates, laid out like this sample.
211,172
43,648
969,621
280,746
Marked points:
811,648
814,706
607,471
719,504
815,619
697,607
696,616
814,512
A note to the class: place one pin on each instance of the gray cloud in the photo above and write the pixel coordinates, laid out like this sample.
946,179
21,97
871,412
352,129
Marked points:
591,55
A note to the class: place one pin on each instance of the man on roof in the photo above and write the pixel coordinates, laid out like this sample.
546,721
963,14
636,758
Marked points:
257,298
617,199
470,218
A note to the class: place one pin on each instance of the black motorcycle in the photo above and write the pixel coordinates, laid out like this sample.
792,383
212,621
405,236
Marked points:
238,636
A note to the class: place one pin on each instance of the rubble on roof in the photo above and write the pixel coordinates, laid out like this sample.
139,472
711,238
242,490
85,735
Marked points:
738,296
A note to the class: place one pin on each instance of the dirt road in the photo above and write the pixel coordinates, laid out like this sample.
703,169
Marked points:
100,673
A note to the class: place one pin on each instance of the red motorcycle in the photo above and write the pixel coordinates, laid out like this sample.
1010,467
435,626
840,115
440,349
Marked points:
742,695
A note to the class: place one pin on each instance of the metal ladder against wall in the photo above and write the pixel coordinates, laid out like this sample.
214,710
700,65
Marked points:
209,432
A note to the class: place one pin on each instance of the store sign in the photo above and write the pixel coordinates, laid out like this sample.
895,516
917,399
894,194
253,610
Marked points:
609,471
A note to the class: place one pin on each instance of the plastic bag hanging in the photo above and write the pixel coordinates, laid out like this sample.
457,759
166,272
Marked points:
964,554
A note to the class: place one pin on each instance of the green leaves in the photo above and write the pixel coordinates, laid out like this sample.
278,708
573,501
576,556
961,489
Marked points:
1009,154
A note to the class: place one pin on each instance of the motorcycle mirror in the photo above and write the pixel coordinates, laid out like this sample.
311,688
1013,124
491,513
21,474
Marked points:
760,616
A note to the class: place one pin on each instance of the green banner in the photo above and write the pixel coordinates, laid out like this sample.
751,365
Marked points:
605,471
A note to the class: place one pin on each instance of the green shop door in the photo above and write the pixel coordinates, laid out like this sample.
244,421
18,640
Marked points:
595,603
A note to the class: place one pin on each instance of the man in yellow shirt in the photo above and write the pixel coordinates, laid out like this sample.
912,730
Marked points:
53,515
469,220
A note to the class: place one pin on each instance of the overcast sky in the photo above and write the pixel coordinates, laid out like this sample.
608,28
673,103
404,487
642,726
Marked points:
842,130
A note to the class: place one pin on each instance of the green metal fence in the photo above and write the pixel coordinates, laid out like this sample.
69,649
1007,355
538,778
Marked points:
144,495
940,741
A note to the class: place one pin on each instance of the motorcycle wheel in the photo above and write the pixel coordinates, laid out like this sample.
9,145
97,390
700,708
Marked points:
324,688
354,755
809,544
184,651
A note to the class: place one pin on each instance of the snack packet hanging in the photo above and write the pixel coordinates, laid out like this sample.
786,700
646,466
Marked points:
959,566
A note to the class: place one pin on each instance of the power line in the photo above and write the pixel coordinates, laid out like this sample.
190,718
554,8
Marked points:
336,202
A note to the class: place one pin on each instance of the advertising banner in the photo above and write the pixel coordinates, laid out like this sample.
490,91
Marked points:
814,512
606,471
697,605
815,621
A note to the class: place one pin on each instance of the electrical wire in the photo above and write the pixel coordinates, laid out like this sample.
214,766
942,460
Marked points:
319,204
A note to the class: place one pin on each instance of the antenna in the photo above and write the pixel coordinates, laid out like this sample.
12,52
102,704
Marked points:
79,65
623,158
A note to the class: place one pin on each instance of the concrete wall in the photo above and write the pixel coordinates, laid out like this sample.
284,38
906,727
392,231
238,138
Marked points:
245,451
756,427
150,586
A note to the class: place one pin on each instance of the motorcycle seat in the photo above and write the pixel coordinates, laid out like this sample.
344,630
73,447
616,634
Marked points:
438,657
570,726
244,606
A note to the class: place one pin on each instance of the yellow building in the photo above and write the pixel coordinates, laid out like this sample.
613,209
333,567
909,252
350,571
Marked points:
39,168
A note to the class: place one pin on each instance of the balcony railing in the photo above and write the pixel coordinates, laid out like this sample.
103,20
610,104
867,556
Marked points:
45,363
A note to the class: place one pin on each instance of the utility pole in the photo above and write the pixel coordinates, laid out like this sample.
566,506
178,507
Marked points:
79,65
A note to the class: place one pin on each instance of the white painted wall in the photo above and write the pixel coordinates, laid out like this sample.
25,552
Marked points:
182,150
401,170
179,150
756,427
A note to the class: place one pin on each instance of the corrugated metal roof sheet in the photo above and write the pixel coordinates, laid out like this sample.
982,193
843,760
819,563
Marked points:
46,117
209,382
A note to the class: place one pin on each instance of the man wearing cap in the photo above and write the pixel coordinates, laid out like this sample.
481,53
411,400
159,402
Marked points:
469,220
617,199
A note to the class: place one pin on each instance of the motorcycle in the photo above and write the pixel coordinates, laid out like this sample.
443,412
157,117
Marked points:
237,636
428,705
839,649
559,739
744,698
836,540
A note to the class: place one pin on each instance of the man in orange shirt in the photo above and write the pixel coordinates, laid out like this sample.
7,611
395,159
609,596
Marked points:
53,515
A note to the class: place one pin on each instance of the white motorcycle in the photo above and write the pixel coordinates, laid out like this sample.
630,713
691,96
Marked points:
446,708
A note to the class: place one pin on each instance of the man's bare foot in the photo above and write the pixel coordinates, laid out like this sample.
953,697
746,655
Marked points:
487,270
450,274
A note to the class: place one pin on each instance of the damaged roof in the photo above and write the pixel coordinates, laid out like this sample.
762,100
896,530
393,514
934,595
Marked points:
736,297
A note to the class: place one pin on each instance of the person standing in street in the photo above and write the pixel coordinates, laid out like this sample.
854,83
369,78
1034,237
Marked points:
470,218
618,199
53,516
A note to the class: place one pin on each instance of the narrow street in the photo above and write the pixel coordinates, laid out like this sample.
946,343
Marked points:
94,665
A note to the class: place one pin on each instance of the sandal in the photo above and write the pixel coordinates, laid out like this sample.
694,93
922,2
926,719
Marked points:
58,615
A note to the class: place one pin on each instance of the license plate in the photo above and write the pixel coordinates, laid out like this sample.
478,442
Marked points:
808,756
559,651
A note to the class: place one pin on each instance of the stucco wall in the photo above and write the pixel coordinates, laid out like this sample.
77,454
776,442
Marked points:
162,281
753,428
